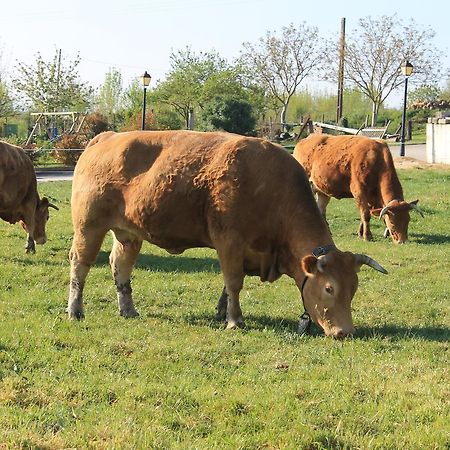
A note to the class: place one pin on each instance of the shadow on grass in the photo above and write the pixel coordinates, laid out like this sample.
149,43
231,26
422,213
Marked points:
31,261
184,264
396,332
432,239
281,325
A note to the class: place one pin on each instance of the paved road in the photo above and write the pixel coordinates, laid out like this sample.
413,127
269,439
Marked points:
416,151
53,175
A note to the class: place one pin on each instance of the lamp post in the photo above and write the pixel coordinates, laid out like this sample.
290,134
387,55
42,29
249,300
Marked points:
407,69
145,81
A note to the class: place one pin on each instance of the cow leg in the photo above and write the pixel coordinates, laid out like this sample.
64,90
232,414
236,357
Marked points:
30,247
122,258
322,203
364,227
222,305
84,251
27,222
231,263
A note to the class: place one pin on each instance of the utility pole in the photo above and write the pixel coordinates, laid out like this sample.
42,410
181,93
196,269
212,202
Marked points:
340,95
58,74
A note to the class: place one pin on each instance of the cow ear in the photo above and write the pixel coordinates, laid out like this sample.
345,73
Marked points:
414,202
375,212
44,201
46,204
309,265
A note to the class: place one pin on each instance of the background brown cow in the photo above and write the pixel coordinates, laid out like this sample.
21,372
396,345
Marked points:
359,167
19,198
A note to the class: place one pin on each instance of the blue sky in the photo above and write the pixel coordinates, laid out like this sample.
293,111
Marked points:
134,36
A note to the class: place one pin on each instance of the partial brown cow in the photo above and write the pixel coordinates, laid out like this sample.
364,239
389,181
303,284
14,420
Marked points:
245,197
359,167
19,198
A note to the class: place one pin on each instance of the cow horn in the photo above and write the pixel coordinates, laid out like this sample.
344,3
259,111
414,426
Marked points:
364,259
321,263
383,212
385,209
51,205
415,207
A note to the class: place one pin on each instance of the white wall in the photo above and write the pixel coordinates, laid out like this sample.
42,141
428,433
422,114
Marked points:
438,141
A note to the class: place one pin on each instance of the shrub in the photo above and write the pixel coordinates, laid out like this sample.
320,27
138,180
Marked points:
229,114
69,141
95,123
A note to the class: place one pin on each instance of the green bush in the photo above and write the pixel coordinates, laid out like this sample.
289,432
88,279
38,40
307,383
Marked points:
229,114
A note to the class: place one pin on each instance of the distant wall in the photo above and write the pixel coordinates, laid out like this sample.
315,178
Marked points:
438,140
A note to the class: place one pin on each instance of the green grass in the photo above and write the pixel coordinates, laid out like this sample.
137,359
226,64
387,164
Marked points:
174,379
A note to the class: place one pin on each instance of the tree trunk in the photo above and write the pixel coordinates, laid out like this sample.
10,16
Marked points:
283,117
375,108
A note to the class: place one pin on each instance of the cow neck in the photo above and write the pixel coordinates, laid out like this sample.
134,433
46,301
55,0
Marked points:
390,187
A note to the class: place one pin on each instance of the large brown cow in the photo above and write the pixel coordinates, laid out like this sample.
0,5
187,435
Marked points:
245,197
359,167
19,198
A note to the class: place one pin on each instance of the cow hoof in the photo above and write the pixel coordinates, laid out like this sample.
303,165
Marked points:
76,315
234,325
30,250
129,313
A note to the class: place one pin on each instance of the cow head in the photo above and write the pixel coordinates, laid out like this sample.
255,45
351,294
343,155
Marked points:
396,217
331,284
40,220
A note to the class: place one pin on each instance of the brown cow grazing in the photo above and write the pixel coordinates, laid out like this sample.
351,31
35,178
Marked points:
184,189
359,167
19,198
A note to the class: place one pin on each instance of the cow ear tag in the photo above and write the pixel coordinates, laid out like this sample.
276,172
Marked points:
304,323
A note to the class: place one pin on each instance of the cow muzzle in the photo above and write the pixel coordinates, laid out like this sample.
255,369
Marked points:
41,240
340,333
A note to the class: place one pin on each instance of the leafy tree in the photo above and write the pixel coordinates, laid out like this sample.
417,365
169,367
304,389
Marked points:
424,93
282,63
182,89
159,116
52,85
375,50
229,114
6,103
321,105
445,94
110,97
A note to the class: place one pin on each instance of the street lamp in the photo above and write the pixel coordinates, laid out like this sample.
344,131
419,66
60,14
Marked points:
407,69
145,81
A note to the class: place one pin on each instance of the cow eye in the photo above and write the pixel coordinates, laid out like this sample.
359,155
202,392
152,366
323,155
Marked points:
329,289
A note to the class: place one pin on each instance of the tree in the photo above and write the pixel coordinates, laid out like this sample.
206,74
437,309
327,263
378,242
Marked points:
375,50
6,103
110,97
230,114
282,63
52,85
182,89
427,93
445,94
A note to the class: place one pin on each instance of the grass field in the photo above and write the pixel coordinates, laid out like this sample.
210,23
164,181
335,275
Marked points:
174,379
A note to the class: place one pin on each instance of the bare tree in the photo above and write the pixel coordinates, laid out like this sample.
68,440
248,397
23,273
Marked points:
375,50
282,63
